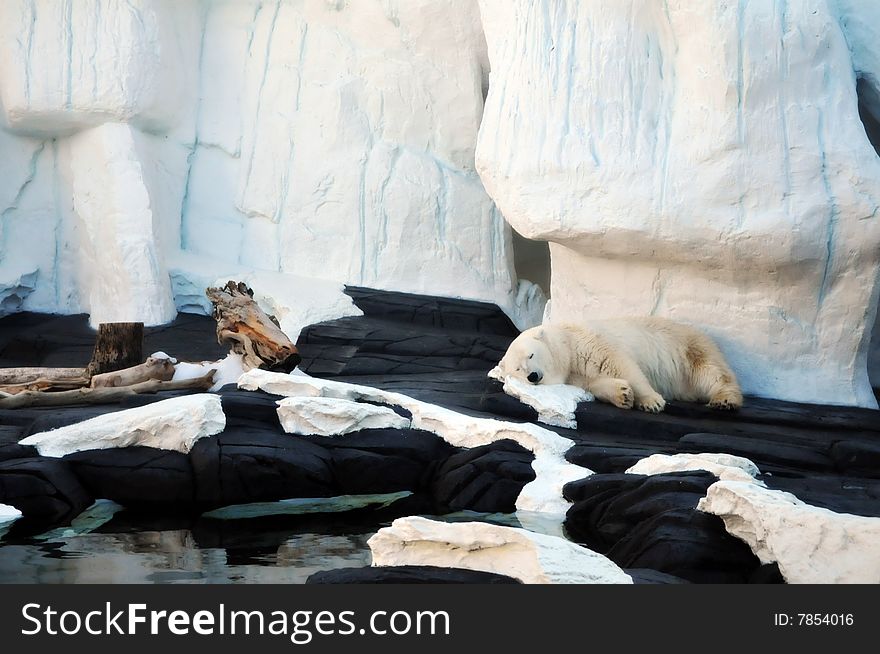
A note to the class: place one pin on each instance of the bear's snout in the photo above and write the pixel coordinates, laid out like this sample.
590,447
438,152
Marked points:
535,377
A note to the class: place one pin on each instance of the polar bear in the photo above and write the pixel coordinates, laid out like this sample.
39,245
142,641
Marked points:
629,362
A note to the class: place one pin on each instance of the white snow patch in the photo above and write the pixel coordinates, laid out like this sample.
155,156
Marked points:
162,355
173,424
532,558
810,544
552,471
724,466
555,403
228,370
326,416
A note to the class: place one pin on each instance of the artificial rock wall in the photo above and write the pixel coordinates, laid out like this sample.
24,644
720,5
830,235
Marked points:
702,161
151,146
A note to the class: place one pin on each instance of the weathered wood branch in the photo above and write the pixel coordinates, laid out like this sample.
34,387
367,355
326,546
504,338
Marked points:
152,368
250,331
24,375
104,395
16,380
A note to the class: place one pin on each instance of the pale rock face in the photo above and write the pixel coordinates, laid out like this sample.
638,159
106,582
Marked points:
543,494
555,403
699,161
305,139
14,288
810,544
324,416
121,262
532,558
724,466
174,424
72,65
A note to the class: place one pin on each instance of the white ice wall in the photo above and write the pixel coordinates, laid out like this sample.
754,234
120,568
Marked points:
703,161
330,140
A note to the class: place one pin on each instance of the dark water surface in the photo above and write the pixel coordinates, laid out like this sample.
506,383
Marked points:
107,544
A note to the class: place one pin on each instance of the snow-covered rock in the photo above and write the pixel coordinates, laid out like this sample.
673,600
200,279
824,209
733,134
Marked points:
173,424
8,513
555,403
532,558
724,466
324,416
810,544
704,162
543,494
302,385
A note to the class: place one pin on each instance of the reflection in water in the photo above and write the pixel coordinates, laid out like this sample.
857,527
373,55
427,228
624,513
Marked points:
108,545
174,556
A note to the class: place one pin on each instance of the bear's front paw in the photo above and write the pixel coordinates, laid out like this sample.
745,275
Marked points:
653,403
623,396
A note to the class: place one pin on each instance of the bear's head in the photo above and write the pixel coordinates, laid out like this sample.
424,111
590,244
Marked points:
534,356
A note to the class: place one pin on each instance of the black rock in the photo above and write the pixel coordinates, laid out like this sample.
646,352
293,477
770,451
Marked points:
433,311
652,522
43,489
142,478
488,478
646,576
408,574
251,462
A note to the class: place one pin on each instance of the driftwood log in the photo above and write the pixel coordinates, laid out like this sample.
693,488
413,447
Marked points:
103,395
250,331
116,370
16,380
119,345
160,369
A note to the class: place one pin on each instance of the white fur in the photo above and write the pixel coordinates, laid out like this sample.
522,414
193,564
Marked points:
629,362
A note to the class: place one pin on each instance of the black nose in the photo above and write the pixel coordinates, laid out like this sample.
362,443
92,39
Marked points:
534,377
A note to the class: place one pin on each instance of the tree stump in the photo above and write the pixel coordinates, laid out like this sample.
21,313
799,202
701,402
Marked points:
119,345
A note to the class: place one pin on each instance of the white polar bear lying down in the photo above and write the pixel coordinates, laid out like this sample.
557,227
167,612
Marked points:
628,362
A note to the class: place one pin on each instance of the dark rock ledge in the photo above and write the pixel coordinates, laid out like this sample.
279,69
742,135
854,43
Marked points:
438,350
